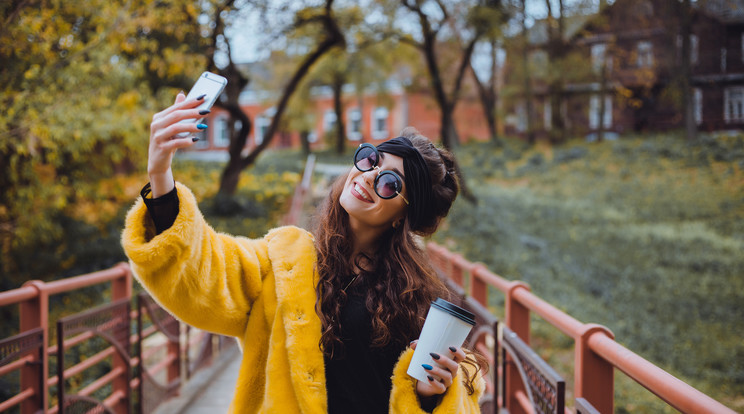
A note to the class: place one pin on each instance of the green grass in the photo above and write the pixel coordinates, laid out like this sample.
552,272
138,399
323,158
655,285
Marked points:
644,236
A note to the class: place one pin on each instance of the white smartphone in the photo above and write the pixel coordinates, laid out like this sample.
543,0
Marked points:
208,84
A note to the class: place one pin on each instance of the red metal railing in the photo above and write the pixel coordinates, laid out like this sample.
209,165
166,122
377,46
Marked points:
596,352
19,355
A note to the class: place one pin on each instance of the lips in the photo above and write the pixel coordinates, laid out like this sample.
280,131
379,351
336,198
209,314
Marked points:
359,192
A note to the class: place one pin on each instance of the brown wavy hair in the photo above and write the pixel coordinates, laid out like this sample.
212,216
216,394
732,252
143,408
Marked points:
400,283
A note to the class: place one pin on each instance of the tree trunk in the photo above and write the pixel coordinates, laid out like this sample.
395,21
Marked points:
526,73
687,99
338,109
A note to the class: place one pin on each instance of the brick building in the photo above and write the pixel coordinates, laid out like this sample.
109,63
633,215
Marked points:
368,118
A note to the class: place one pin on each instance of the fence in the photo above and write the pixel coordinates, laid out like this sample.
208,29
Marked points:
595,351
143,367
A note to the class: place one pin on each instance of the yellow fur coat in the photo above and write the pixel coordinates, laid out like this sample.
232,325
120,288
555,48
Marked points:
261,292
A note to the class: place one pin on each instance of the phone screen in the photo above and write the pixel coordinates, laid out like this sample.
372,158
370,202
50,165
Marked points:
210,85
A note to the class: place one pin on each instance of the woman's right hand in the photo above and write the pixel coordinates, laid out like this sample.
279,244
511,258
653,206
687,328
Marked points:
164,142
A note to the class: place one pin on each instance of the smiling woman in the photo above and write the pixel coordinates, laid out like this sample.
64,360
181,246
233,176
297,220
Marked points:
326,322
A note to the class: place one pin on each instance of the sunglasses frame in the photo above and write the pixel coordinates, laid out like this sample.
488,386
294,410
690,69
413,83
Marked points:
380,173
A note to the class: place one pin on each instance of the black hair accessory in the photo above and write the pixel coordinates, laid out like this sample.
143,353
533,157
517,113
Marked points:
417,179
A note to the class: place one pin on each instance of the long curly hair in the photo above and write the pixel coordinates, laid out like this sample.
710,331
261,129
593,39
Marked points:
399,281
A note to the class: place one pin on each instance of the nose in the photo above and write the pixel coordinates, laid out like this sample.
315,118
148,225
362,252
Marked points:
369,176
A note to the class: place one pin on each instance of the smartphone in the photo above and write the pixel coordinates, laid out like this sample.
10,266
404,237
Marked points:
208,84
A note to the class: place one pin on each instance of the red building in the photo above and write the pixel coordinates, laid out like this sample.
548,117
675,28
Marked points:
367,119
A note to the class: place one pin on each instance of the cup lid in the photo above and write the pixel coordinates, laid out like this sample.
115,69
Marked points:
454,310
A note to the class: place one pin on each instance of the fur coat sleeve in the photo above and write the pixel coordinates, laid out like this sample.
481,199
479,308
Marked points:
186,267
404,400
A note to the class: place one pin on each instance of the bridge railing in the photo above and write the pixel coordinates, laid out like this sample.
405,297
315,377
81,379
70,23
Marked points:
165,351
595,351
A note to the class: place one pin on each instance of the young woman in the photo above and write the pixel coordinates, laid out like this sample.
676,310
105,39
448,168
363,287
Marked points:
325,323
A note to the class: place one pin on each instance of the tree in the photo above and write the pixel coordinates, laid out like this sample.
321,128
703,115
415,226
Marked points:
79,84
488,92
330,36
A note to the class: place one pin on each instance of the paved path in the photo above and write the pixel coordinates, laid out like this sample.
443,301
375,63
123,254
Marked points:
216,396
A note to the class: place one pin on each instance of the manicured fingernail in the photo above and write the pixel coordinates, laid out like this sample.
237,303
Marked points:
435,356
199,98
453,349
195,139
181,93
430,377
201,126
411,343
427,367
204,111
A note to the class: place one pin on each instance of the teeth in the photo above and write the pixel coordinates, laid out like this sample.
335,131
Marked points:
362,193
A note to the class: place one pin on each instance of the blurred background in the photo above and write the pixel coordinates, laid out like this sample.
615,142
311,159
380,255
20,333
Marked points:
600,144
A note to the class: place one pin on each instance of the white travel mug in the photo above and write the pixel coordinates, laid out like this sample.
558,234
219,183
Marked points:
446,325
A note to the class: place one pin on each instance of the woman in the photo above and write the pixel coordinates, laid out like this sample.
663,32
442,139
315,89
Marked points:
324,323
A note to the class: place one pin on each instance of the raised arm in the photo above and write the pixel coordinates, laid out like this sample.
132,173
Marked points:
206,279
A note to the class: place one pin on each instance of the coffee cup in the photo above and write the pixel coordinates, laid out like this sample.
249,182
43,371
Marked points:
446,325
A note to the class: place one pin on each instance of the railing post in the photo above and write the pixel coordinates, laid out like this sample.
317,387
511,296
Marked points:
457,274
518,320
594,378
478,287
34,313
121,288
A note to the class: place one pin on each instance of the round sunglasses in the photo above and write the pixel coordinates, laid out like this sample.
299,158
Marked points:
388,184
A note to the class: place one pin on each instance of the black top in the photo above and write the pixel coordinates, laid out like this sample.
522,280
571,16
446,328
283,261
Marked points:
358,380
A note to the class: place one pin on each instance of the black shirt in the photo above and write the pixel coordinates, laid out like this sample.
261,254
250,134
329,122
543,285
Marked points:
359,379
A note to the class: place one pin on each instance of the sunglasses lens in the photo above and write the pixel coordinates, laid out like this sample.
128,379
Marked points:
387,185
365,158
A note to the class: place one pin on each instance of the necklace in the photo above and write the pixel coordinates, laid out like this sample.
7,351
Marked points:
349,284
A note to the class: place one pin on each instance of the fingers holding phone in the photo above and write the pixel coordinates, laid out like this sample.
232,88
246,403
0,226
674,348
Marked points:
175,128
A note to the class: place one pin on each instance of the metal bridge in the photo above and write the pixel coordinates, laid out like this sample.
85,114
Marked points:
143,360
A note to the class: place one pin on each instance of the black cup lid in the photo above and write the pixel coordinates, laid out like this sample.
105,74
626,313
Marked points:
454,310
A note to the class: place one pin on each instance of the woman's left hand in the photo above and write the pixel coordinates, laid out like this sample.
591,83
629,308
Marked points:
442,373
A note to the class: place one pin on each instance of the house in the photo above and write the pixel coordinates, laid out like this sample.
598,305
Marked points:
629,58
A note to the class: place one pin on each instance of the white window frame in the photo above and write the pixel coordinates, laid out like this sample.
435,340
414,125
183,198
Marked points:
521,113
329,121
733,105
599,56
260,126
694,48
221,134
594,105
380,114
697,99
354,127
645,51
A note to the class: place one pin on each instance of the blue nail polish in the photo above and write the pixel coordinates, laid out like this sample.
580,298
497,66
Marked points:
427,367
201,126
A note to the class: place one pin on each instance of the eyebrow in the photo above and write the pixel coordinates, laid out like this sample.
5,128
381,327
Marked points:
395,170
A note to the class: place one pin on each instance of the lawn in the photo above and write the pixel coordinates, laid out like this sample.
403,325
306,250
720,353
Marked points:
644,236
